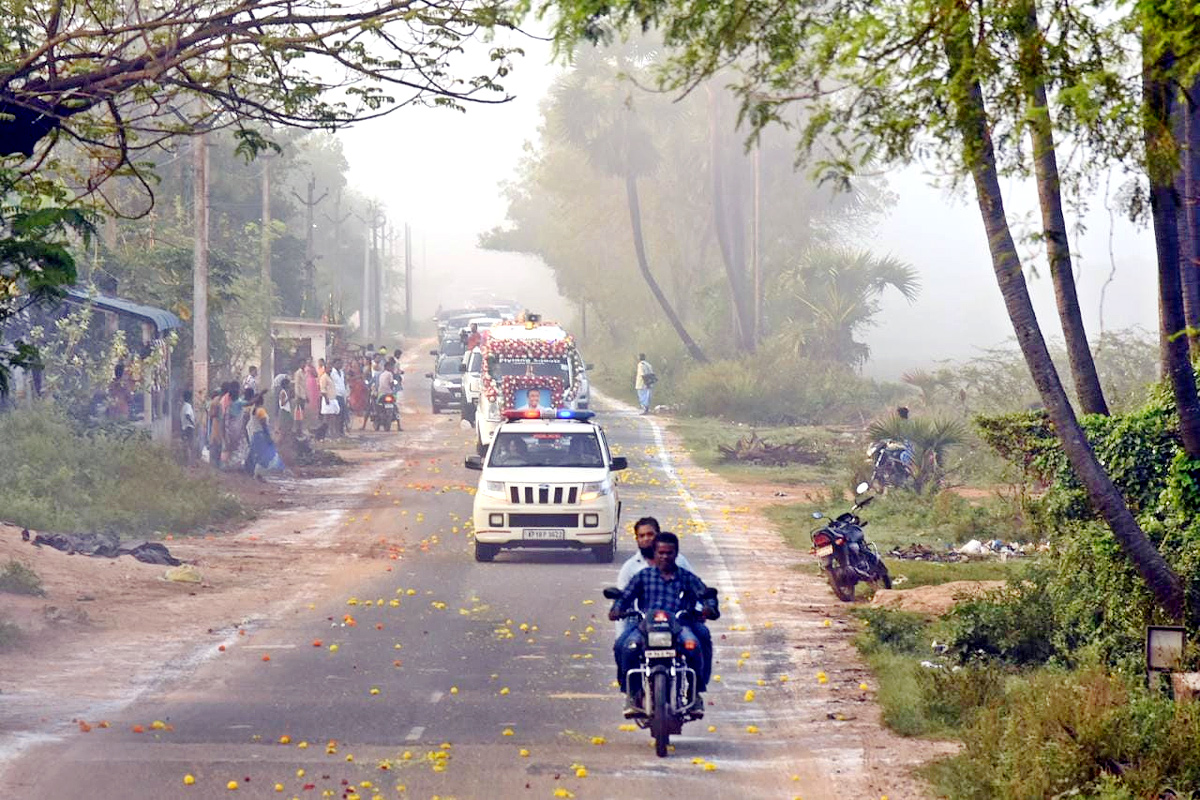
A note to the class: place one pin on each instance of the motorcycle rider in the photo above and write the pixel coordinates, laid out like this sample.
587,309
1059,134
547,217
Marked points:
644,530
664,586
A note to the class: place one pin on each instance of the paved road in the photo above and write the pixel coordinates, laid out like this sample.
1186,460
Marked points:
450,678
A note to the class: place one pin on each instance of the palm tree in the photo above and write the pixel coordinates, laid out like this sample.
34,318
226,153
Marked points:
597,116
832,294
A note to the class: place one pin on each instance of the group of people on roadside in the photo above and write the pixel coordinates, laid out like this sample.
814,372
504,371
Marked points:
236,427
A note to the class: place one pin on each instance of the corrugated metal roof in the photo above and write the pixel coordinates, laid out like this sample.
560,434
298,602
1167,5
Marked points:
162,320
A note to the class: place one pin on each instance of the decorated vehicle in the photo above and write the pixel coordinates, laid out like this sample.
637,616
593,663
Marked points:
548,481
526,365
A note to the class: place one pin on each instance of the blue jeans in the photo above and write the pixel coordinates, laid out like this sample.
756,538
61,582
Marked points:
630,657
644,399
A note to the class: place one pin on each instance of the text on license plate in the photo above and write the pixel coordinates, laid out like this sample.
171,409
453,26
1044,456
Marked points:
543,533
827,550
660,654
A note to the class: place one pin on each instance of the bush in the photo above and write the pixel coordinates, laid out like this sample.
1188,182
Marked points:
1014,625
1088,734
899,631
10,635
56,476
16,578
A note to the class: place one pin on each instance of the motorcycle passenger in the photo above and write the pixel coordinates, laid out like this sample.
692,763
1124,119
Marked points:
644,530
663,586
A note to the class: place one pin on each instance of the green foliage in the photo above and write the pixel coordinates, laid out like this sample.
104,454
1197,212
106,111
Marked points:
1014,625
10,635
899,631
54,476
18,578
774,388
1088,734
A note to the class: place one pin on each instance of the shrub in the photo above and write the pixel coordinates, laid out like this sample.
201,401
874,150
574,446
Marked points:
1014,625
17,578
1089,734
54,475
900,631
10,635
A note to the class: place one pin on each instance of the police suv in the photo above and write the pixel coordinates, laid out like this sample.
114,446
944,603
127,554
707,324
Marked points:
548,482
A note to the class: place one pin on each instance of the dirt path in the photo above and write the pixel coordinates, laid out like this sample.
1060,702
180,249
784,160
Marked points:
839,722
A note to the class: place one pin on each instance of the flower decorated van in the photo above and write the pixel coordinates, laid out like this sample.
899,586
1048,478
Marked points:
527,365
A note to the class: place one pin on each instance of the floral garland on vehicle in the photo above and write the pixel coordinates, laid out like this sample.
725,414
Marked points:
531,349
511,384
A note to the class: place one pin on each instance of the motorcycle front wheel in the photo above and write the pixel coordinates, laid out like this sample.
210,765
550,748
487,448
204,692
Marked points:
660,726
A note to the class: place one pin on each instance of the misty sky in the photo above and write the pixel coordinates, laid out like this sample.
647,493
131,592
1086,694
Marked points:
440,170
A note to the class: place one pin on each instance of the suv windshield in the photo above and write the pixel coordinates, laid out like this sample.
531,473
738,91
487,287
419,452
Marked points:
545,449
448,365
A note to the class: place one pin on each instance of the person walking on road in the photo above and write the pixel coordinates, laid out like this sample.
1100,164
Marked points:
644,382
216,428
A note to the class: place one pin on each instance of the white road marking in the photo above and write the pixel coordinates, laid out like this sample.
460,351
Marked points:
436,696
416,733
273,646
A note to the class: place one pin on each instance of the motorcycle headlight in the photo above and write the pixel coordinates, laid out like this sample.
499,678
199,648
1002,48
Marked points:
658,639
494,489
595,490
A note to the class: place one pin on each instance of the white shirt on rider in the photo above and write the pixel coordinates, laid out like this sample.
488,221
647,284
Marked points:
632,566
384,384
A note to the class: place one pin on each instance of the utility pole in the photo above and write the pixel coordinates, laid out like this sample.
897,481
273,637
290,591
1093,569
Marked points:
408,279
309,294
200,268
266,366
378,221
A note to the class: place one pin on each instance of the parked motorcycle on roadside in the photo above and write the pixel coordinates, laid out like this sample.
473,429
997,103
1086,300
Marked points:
844,552
893,463
668,684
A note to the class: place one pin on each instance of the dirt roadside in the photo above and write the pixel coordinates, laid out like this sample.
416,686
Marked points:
840,739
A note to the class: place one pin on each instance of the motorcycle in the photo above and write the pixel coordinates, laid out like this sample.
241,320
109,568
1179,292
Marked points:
385,412
845,554
893,460
668,683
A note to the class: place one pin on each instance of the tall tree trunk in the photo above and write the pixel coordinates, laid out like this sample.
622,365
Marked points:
1054,225
1172,323
731,230
1190,264
980,157
639,246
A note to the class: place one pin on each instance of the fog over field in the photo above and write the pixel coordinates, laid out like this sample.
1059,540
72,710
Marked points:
442,172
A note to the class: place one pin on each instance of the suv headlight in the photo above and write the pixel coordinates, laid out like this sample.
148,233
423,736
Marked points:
440,384
597,489
658,639
494,489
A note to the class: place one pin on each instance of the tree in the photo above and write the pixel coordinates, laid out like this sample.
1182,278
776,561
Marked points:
603,124
832,294
115,77
888,82
1031,67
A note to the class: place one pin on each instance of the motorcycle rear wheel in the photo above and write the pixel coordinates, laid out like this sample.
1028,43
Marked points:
660,726
843,585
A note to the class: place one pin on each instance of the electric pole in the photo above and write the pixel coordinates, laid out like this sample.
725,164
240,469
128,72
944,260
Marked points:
408,279
266,367
200,268
309,293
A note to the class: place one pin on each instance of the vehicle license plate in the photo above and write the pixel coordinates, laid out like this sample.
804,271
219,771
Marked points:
827,550
660,654
543,533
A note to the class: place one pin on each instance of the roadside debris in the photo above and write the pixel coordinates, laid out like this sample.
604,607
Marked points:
106,545
973,550
755,450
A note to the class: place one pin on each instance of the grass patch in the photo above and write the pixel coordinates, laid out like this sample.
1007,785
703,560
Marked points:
10,635
55,476
909,574
702,436
17,578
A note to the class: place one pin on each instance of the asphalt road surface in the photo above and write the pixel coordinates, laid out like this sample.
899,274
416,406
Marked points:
441,678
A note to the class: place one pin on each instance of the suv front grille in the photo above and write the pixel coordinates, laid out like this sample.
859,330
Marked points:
543,520
542,494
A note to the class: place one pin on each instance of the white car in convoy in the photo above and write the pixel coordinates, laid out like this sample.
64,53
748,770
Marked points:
548,482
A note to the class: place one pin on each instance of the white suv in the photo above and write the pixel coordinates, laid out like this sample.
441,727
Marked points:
547,482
